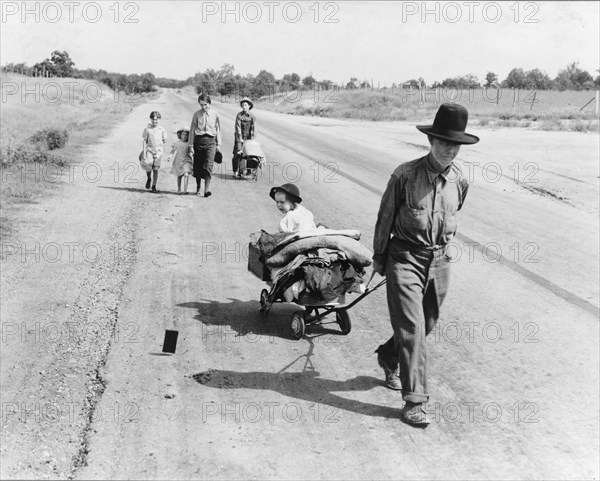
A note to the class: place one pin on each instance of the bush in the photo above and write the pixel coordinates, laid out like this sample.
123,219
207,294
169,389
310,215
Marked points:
23,154
552,124
51,138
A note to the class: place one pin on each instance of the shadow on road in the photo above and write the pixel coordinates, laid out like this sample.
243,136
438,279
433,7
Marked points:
243,319
307,386
229,176
144,191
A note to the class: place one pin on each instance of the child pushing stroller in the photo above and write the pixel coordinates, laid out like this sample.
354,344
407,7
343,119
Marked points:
247,152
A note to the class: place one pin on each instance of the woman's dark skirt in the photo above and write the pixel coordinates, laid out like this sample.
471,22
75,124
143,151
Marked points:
204,156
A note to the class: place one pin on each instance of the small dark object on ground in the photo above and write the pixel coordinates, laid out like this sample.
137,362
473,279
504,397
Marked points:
170,342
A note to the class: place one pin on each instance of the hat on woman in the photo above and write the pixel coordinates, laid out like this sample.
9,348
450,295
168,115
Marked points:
449,124
246,99
290,189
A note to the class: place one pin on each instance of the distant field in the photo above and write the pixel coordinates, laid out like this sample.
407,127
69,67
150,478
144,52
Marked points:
84,110
30,104
547,110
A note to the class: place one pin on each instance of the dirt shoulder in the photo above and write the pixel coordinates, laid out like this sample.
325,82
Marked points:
63,271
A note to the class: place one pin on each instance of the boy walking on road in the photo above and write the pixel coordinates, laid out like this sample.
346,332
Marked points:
152,149
416,220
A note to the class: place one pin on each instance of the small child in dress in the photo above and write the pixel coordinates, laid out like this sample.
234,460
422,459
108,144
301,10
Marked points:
183,165
152,149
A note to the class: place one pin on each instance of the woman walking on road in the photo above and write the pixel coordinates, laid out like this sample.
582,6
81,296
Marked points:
244,130
204,142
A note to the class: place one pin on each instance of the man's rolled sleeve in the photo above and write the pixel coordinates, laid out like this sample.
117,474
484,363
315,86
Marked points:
385,219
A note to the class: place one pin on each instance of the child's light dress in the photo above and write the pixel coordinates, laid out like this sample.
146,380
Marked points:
182,161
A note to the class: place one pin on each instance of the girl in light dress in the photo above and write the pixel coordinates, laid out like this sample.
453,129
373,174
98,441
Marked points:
183,164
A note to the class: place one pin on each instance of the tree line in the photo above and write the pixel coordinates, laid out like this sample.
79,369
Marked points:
569,78
60,64
225,81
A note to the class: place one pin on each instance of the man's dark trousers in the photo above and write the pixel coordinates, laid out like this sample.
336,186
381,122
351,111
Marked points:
417,282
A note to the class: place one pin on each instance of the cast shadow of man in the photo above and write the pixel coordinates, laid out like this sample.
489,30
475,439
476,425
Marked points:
242,318
307,386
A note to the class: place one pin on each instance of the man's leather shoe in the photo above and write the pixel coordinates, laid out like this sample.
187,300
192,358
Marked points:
415,415
392,376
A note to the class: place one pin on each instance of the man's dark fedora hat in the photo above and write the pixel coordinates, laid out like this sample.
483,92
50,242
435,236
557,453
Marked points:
290,189
450,124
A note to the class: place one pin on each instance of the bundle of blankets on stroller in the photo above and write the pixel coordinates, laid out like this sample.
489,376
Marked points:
312,267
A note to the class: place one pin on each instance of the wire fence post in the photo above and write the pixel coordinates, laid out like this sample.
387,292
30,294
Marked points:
596,98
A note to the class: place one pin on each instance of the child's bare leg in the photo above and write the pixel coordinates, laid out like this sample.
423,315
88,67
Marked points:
186,179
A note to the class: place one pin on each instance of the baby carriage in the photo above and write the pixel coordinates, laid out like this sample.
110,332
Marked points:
251,160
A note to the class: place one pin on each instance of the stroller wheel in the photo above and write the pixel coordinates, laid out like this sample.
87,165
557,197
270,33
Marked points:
343,319
297,325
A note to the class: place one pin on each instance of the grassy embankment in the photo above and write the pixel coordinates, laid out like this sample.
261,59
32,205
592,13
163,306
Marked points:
46,124
552,110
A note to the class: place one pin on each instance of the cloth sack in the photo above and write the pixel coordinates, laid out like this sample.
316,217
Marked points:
146,161
356,253
252,148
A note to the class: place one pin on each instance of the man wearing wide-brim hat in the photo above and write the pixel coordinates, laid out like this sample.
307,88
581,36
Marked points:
416,220
245,122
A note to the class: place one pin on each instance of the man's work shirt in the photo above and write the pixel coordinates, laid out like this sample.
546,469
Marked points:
205,123
419,206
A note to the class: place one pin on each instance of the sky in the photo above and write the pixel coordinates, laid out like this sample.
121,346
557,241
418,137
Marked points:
388,42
